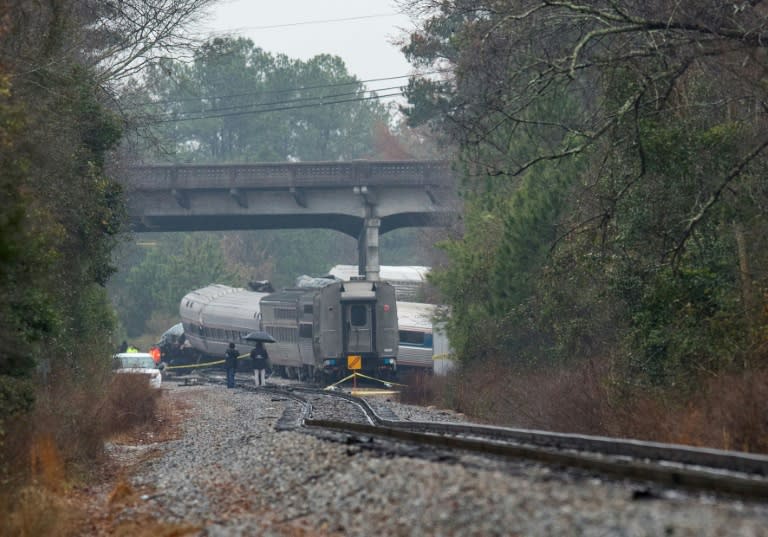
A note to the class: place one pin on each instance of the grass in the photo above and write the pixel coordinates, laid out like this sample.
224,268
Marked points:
726,411
34,511
60,444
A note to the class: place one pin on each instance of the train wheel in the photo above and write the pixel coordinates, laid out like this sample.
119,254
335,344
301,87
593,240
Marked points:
304,375
326,378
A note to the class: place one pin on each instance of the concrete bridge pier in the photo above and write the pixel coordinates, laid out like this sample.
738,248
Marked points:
368,248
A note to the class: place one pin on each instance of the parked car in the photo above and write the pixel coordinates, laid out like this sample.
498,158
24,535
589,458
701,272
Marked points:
140,363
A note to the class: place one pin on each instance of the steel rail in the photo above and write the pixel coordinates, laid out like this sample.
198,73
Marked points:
732,461
676,476
699,469
720,471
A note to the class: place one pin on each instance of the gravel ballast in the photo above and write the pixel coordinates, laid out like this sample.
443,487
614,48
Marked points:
232,474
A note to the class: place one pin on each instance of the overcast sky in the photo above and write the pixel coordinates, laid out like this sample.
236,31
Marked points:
305,28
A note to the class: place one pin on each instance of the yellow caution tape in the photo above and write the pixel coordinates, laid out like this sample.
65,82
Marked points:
379,380
340,381
356,374
373,392
206,364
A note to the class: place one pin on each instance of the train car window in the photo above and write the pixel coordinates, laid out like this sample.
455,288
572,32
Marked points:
411,337
308,308
283,334
285,314
358,315
305,330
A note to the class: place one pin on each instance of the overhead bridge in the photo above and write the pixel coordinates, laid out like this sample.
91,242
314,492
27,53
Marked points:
362,199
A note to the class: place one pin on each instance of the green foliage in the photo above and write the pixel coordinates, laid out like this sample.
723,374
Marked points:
165,274
15,397
645,245
465,287
238,103
61,213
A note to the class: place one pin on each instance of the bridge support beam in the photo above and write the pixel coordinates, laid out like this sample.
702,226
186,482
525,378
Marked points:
368,248
239,196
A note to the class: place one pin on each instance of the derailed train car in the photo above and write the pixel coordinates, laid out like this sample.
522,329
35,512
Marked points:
423,342
319,332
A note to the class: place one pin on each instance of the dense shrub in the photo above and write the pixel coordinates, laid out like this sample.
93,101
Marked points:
728,411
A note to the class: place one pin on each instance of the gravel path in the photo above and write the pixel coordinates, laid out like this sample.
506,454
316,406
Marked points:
233,475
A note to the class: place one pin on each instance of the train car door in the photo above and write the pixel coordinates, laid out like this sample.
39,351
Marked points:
358,323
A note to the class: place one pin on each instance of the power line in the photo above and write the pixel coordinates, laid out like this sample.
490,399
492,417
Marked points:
289,101
304,23
267,92
280,109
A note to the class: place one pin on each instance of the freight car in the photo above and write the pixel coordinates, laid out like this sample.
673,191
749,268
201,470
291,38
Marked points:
320,332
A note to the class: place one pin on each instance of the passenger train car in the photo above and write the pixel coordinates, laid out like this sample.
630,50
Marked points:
423,343
318,331
408,280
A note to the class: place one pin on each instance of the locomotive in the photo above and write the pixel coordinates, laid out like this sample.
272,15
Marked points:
320,332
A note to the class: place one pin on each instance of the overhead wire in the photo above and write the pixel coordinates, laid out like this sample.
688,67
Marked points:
279,109
288,90
282,105
305,23
254,105
291,102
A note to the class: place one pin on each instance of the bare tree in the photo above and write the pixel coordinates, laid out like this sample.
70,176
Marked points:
118,38
129,34
624,62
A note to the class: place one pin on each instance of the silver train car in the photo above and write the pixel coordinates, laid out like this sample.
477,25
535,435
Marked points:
408,280
423,344
320,332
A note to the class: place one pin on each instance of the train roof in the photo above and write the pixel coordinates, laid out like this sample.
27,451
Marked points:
415,314
211,292
223,302
412,273
286,295
408,281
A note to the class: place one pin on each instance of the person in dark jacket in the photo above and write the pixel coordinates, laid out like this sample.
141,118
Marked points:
260,358
231,363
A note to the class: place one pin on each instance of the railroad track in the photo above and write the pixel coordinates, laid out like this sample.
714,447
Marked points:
674,466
